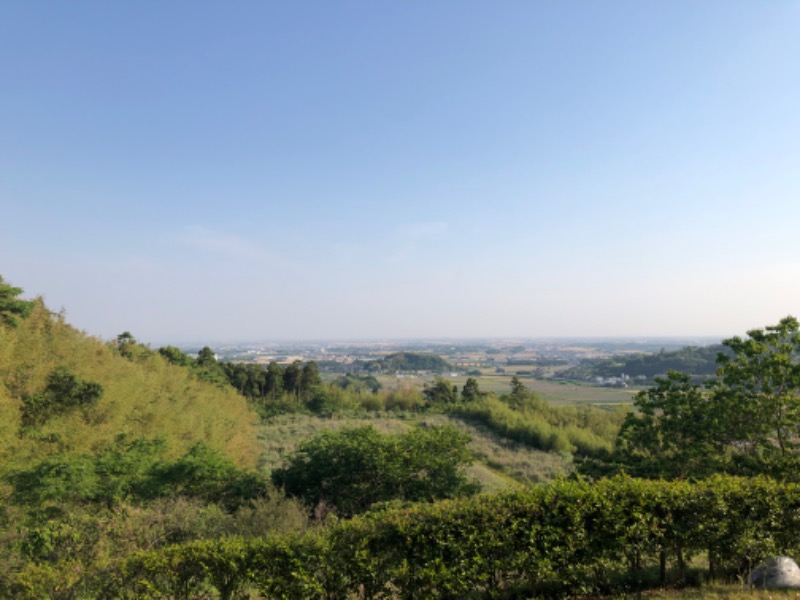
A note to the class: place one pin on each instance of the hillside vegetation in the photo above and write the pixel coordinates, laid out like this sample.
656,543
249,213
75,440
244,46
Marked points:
128,472
745,421
141,396
698,361
106,449
566,540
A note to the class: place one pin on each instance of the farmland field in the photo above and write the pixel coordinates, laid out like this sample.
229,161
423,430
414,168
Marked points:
556,392
570,393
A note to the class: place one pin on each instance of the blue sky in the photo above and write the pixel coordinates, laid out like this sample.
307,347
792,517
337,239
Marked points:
208,171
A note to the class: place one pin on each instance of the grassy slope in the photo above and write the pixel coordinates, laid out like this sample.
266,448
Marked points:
499,463
142,398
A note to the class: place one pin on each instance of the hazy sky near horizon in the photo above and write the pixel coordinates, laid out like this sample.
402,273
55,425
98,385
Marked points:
265,170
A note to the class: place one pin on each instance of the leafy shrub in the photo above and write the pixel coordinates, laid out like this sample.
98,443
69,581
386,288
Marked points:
569,538
352,469
136,470
64,391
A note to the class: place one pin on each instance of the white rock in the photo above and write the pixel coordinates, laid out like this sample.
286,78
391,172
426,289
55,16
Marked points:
777,572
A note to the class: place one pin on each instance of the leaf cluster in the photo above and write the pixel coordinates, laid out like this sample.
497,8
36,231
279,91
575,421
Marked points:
350,470
135,470
12,308
746,421
63,392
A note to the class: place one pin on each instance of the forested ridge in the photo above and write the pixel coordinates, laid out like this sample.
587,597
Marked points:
698,361
409,361
397,362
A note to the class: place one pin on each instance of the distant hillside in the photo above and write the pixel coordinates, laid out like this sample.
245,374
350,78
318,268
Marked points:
694,360
62,391
409,361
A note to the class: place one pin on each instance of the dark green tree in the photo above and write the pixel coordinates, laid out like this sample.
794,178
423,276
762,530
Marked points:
59,479
128,347
292,379
521,398
349,470
208,368
206,358
758,396
518,388
470,391
176,356
136,470
11,307
745,422
257,381
247,378
441,392
309,379
63,392
674,433
126,343
432,463
358,384
207,474
274,380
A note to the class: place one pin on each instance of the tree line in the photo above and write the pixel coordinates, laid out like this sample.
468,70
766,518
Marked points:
698,361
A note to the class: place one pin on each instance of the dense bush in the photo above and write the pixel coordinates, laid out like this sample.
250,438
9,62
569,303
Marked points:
583,431
569,537
135,470
347,471
744,422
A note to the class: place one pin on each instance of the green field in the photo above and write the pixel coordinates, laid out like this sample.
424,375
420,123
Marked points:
556,392
573,393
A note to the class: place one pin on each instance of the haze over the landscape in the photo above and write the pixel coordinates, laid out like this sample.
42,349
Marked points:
316,169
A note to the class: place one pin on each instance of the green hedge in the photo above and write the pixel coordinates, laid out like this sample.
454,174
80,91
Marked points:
568,537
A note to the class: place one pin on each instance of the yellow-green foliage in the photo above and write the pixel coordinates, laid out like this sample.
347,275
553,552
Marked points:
143,397
564,429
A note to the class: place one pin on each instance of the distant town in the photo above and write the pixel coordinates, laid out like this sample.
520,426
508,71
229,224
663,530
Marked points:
462,352
538,358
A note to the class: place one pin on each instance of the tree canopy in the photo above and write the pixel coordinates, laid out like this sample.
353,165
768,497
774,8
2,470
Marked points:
745,421
350,470
11,307
64,392
440,392
409,361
